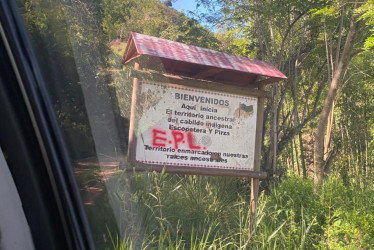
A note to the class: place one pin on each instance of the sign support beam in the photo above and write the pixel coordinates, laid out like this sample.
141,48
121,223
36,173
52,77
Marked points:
134,101
255,182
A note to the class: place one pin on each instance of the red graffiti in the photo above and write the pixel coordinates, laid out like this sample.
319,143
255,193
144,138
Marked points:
190,141
178,137
158,141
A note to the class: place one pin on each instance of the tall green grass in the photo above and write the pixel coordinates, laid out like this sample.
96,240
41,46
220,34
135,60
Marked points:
195,212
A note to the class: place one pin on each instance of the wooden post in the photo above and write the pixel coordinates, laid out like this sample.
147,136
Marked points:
257,160
134,101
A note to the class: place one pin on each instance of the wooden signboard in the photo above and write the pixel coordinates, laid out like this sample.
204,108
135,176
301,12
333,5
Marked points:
193,130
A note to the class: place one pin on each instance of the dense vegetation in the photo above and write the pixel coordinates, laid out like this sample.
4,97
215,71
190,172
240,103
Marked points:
319,122
195,212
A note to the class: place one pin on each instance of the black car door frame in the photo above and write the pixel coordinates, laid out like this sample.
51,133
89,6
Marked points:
33,144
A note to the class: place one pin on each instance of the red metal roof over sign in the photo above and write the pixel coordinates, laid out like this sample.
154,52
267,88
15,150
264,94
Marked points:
209,60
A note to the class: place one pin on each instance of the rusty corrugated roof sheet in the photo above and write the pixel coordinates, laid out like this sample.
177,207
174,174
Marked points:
139,44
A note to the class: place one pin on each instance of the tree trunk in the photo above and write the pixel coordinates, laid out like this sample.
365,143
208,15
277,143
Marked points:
274,142
270,164
337,56
327,106
330,121
302,158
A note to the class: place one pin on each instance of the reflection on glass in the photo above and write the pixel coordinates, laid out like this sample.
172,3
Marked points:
80,45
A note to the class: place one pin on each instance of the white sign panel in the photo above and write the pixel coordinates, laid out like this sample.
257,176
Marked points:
181,126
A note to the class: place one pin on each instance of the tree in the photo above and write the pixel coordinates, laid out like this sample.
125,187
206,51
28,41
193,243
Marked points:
273,31
343,61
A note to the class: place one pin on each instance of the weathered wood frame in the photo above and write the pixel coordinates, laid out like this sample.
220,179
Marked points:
172,80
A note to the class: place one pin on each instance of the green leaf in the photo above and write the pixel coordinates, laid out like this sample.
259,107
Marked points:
276,231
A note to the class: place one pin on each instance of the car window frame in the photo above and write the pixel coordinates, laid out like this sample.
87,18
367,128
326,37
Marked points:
35,149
